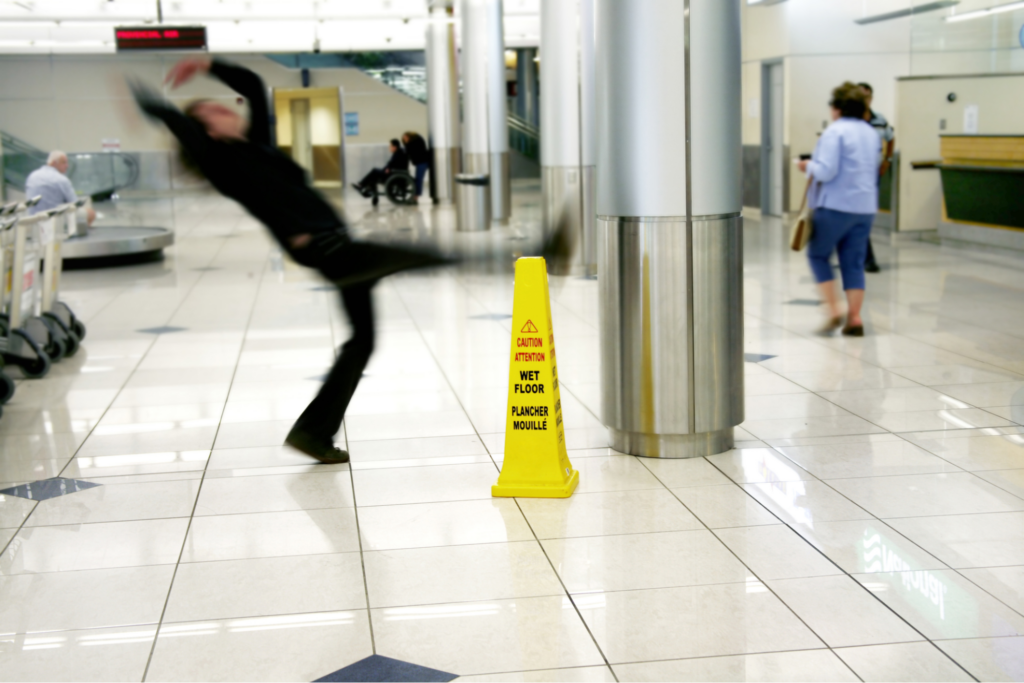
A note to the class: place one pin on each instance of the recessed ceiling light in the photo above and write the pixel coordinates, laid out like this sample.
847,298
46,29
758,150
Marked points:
978,14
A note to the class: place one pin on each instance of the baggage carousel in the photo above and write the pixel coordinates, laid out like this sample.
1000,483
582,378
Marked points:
114,242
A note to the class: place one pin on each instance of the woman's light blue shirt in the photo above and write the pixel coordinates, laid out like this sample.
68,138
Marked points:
845,168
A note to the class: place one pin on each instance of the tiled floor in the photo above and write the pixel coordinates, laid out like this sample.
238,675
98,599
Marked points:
870,524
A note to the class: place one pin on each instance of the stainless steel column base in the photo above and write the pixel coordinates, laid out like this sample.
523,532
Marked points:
447,163
501,186
568,203
671,445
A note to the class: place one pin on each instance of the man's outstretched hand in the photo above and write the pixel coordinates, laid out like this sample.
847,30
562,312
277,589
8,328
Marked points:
185,70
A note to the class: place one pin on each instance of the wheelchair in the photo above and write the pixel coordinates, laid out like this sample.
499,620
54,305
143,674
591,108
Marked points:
400,188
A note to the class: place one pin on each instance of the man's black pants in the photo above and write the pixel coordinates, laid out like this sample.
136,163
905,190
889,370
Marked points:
322,419
373,178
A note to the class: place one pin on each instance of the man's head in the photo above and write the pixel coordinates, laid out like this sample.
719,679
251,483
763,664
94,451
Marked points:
59,160
395,145
869,94
220,122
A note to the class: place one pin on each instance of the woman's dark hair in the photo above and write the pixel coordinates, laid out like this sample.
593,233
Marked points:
850,100
187,162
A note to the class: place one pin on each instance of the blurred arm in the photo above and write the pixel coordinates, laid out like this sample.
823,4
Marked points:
251,87
190,133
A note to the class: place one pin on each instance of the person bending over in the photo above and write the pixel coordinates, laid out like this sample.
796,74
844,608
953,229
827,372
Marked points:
419,157
238,159
52,184
398,162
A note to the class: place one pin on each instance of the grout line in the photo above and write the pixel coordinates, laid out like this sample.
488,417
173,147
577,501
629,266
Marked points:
355,501
199,492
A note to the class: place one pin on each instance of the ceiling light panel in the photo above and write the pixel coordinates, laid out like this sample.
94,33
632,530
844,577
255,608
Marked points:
78,10
260,36
987,12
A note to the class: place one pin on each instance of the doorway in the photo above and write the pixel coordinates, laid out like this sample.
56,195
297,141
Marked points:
309,129
773,151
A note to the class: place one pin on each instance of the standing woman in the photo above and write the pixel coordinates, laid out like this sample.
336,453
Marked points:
844,196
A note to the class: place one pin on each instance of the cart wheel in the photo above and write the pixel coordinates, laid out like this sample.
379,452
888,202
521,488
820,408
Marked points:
33,368
56,348
60,331
78,327
6,388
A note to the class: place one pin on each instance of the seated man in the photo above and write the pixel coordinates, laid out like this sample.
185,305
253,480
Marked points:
398,162
53,186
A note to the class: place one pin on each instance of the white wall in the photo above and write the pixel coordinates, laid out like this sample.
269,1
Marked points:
74,102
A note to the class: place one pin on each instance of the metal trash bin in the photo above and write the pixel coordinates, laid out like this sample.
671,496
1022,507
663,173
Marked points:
473,202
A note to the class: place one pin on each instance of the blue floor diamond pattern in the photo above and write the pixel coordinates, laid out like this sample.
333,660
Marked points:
380,668
48,488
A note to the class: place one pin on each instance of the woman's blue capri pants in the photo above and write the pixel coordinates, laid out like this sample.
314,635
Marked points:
846,233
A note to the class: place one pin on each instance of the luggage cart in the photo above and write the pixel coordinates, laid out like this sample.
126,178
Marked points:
64,223
25,337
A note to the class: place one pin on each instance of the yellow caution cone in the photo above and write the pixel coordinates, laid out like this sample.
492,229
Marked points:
536,464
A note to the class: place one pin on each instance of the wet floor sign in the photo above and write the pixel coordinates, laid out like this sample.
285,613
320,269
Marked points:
536,464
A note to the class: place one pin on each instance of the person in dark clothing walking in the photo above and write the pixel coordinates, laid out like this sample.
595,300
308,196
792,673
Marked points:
416,148
399,161
887,138
238,159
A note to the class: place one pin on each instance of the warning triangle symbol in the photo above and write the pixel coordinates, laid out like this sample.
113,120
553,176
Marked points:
529,327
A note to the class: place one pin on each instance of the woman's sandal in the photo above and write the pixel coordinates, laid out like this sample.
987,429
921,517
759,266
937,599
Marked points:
853,331
831,326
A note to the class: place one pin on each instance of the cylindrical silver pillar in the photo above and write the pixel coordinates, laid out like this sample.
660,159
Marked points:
485,122
443,102
526,85
568,141
670,233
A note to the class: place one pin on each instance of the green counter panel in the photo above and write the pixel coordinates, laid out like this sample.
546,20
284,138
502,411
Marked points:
994,196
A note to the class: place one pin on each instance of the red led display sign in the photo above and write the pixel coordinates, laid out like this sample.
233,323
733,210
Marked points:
160,38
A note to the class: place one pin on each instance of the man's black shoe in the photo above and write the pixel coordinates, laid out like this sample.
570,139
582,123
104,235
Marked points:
872,268
315,448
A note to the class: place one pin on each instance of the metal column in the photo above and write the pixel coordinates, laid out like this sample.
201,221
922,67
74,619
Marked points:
567,121
669,226
485,123
526,81
443,102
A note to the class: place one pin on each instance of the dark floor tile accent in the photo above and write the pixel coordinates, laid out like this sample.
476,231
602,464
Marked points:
380,668
48,488
165,329
755,357
803,302
587,277
318,378
491,316
323,288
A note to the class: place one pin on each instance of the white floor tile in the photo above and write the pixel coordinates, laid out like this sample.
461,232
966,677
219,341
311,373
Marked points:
96,598
252,648
105,654
776,552
902,662
724,506
275,493
988,659
677,623
271,534
597,564
495,520
123,502
812,666
842,612
466,573
923,495
610,513
266,587
486,637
